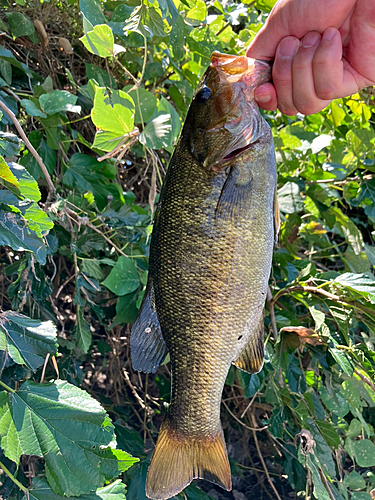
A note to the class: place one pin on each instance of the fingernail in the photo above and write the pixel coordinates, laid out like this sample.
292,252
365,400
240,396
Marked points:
288,47
310,39
329,34
263,98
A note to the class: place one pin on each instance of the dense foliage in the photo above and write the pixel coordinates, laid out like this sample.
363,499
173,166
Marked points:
100,90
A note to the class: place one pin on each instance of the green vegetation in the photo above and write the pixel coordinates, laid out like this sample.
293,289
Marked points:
101,103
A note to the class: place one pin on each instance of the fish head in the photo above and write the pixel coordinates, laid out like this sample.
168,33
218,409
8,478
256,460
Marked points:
224,118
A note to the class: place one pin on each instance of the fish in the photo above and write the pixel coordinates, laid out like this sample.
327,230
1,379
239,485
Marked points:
210,261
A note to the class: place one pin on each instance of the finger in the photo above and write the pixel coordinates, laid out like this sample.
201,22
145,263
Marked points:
328,68
292,18
305,98
282,74
265,96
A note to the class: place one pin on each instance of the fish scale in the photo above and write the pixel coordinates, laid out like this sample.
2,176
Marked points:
210,260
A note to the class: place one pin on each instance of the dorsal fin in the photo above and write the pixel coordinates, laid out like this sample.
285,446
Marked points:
252,357
147,346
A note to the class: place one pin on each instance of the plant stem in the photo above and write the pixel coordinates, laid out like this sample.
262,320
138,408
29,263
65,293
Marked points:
51,187
15,481
6,387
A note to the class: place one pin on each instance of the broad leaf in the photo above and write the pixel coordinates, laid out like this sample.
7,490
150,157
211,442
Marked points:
19,181
144,101
92,10
362,284
99,41
26,340
290,200
13,232
82,331
364,452
58,101
113,111
32,109
19,24
41,491
123,278
70,430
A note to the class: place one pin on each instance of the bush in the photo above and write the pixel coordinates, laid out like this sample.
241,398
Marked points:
90,114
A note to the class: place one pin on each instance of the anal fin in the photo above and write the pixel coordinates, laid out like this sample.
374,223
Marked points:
252,356
147,346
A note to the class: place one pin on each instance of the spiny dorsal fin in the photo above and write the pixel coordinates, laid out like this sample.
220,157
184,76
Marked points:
252,357
179,459
147,346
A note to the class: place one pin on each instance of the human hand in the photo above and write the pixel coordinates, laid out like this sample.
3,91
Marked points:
322,50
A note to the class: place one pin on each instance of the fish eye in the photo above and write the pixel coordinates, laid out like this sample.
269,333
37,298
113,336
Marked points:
204,94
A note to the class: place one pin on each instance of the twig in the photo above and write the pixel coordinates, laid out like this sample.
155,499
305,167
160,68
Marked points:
262,459
248,406
51,187
44,368
257,470
365,379
15,481
272,313
240,422
6,387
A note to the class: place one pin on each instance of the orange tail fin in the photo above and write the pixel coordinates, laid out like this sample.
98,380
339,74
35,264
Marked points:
178,460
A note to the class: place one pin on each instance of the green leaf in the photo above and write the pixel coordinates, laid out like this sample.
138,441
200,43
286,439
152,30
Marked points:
10,144
113,111
58,101
364,452
92,10
361,495
342,360
361,284
323,452
354,481
70,430
13,232
99,41
290,200
26,340
19,24
88,175
355,429
41,491
19,181
123,278
328,432
82,332
126,309
92,268
145,103
198,12
8,433
32,109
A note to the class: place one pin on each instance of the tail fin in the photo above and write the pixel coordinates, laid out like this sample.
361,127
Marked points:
177,460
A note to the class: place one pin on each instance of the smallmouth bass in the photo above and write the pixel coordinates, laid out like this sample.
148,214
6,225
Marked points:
210,261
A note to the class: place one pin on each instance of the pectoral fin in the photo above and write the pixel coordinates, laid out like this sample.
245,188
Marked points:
235,198
147,346
252,357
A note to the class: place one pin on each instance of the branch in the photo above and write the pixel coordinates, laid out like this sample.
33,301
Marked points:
51,187
319,291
